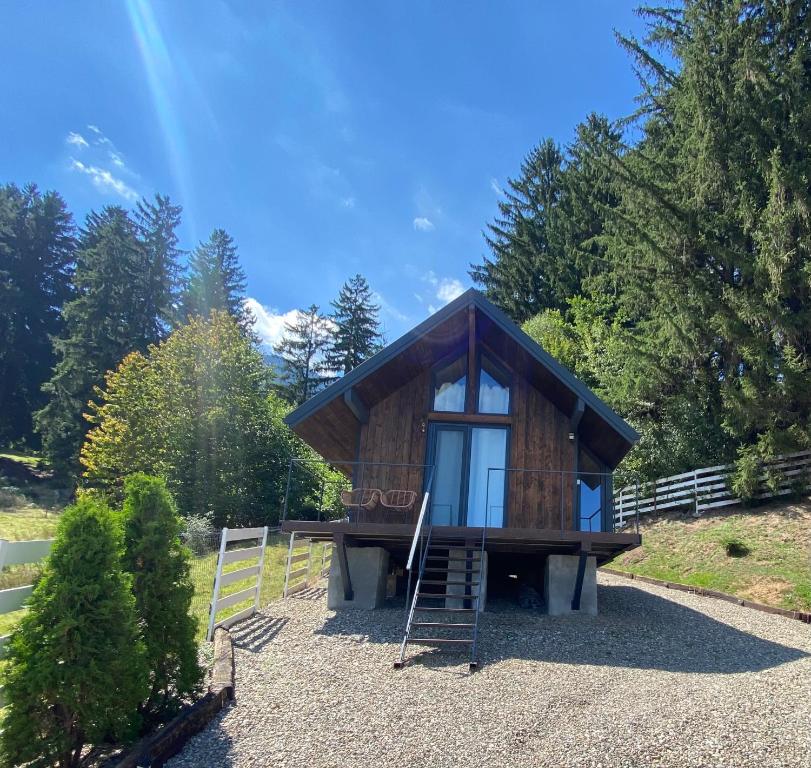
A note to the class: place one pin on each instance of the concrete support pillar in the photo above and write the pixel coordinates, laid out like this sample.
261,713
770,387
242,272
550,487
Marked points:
460,589
368,569
560,577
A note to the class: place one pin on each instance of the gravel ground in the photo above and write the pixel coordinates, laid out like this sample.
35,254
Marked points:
660,678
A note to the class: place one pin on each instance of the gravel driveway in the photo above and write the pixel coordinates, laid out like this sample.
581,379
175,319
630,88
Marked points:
660,678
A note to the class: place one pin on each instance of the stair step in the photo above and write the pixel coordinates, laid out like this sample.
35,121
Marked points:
442,595
451,583
443,624
439,641
451,570
445,610
446,559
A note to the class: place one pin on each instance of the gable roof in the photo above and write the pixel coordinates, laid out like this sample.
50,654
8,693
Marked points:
558,376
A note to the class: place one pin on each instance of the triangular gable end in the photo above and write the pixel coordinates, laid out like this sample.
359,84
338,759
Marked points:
330,421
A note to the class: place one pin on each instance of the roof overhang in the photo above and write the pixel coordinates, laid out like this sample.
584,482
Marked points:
330,421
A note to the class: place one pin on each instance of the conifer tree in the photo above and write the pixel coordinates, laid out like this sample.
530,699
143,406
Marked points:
37,247
216,281
528,271
107,318
357,335
303,348
159,565
75,671
156,226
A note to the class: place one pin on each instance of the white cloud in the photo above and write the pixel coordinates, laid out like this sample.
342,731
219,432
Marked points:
446,289
270,323
496,187
422,224
77,140
348,202
389,309
104,181
116,159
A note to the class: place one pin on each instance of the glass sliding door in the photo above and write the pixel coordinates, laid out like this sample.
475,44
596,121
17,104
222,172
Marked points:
449,474
485,499
464,492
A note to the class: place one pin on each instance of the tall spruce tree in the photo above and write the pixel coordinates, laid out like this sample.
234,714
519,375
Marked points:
357,335
303,348
37,247
216,281
156,223
709,249
111,314
529,270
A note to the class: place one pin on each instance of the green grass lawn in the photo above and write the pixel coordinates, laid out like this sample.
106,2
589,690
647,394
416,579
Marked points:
203,571
761,554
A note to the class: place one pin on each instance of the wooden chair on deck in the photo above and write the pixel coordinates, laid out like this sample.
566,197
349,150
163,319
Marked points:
360,498
398,501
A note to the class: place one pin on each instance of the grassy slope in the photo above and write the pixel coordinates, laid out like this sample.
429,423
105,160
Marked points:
771,544
29,509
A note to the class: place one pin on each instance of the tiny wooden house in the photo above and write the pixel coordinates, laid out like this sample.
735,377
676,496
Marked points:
465,424
513,439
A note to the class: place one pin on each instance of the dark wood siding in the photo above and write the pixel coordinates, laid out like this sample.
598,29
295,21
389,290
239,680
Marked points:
396,434
539,439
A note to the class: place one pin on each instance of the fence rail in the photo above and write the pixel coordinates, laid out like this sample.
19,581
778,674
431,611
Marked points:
18,553
221,579
710,488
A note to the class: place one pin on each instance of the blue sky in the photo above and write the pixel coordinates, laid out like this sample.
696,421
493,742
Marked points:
327,137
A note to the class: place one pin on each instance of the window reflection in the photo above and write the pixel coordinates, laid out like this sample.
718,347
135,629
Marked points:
494,389
450,385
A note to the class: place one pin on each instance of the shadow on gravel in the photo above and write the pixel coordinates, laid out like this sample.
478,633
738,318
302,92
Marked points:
212,748
255,633
635,629
313,593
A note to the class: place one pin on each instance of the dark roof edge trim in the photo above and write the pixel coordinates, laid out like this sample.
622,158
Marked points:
469,297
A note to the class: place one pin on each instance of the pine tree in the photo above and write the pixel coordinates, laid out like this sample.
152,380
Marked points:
710,245
529,270
36,261
303,347
106,320
159,565
75,671
216,281
156,225
357,333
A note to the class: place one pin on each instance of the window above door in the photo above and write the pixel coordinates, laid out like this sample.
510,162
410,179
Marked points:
450,386
494,388
490,394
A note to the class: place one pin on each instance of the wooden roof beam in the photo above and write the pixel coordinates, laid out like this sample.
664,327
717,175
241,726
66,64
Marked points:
355,404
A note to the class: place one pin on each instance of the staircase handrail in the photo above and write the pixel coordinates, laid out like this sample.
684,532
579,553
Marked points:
420,520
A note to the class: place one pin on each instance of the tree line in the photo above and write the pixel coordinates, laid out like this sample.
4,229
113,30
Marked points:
665,258
88,313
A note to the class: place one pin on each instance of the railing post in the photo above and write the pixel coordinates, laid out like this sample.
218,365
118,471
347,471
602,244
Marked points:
695,488
636,502
287,489
287,569
257,602
216,594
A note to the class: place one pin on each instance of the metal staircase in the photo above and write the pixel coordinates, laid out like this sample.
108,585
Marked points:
444,608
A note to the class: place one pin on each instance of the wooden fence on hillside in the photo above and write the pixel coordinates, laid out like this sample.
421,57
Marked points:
709,487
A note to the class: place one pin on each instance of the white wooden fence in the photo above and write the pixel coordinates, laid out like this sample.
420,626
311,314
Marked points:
296,578
708,488
222,579
18,553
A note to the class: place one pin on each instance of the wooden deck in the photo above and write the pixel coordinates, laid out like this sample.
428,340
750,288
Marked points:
397,537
